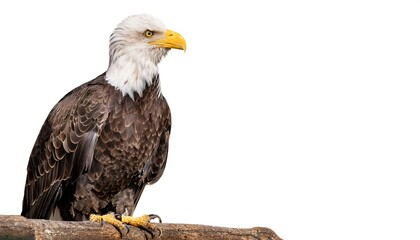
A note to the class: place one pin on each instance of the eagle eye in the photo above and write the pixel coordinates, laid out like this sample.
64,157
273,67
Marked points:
148,33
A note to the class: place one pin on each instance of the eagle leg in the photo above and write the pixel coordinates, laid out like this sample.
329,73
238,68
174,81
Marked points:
143,222
120,221
111,219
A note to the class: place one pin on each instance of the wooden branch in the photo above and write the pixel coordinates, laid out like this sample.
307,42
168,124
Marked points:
18,227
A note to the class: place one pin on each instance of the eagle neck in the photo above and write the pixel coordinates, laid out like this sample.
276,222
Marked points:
150,93
131,72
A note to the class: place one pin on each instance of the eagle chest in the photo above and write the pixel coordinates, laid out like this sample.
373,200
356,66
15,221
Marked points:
128,141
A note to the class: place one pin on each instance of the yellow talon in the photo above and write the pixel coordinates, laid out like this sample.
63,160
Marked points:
143,222
109,218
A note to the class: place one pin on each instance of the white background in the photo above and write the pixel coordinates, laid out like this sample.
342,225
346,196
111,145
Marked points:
301,116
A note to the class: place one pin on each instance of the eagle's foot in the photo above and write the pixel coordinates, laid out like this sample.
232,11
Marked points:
119,221
111,219
141,222
144,222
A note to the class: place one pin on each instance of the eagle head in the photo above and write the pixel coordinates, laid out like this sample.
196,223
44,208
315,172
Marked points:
136,46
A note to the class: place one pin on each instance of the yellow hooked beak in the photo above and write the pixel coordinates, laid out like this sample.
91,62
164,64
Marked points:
172,40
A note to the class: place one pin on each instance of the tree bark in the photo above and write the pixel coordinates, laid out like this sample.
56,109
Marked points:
18,227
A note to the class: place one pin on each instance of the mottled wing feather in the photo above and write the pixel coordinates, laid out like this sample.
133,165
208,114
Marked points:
161,153
63,150
159,159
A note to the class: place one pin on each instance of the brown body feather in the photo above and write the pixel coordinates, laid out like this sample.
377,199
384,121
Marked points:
96,152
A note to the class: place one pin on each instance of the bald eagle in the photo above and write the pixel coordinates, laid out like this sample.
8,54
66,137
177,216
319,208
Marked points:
107,139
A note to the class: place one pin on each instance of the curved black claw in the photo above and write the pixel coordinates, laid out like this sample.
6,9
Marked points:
121,232
154,216
119,217
149,230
